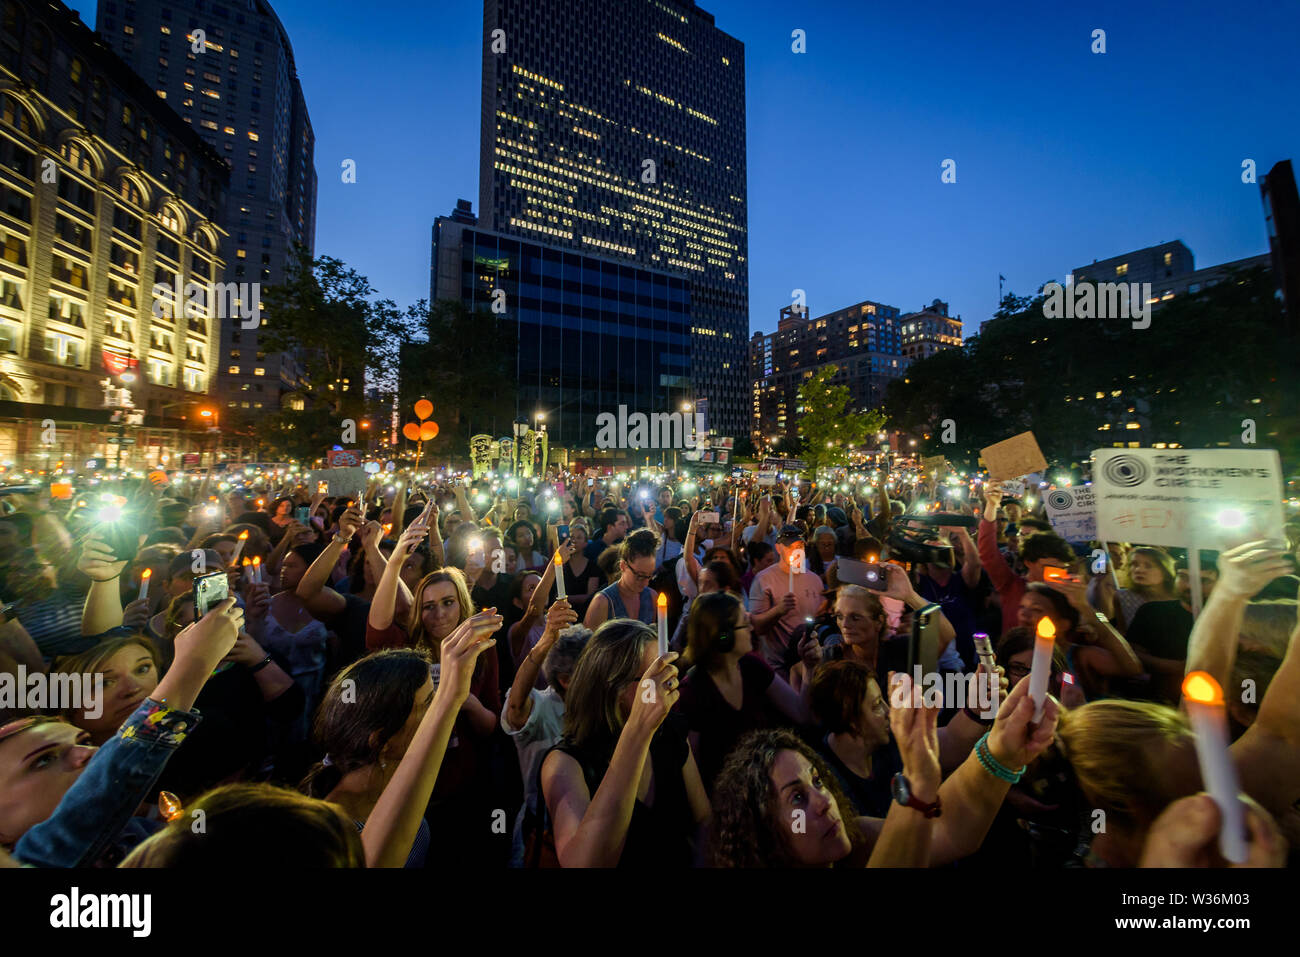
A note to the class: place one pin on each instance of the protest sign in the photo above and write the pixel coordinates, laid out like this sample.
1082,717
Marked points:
1072,512
1207,498
1014,457
343,481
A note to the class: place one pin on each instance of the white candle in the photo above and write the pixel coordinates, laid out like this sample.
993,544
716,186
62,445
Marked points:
257,569
239,547
1041,671
663,624
1205,710
248,572
559,577
144,583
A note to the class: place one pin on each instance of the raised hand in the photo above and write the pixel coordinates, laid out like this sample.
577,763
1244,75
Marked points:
460,650
916,731
655,695
1186,834
1246,569
1015,740
97,561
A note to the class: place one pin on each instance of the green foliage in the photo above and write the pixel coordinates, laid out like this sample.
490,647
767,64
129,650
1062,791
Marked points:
827,430
1190,378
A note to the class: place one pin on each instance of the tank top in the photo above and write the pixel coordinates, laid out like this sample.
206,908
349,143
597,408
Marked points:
618,610
658,836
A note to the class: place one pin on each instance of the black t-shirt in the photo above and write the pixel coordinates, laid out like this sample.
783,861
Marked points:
349,628
718,724
871,795
1161,628
658,836
498,596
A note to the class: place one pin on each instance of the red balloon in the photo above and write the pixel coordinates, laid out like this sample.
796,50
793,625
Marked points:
428,431
411,431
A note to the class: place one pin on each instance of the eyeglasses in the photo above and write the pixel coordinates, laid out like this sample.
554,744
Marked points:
1015,670
640,577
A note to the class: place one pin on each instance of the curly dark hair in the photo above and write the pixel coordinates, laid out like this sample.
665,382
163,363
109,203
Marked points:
746,831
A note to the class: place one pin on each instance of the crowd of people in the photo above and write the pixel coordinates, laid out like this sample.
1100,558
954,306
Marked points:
436,669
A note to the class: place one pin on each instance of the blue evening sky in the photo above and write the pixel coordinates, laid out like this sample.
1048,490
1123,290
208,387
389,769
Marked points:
1062,156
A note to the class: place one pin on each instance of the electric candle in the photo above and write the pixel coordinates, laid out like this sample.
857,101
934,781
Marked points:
663,624
1041,671
144,583
559,577
239,547
1207,713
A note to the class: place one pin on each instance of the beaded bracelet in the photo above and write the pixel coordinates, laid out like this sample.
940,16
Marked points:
992,765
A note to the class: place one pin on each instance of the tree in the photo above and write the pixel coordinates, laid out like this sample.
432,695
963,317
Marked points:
323,315
466,368
827,429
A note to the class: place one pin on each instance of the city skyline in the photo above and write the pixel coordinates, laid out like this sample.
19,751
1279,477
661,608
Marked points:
880,99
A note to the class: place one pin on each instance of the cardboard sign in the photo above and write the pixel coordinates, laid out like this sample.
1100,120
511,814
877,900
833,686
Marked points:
1014,457
340,481
933,463
1207,498
1072,512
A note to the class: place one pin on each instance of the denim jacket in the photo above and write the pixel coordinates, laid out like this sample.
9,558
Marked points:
101,802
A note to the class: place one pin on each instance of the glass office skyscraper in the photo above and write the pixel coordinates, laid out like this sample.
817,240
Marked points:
617,129
593,333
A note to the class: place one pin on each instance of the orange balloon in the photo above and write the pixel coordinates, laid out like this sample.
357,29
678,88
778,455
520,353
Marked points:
424,408
429,431
411,431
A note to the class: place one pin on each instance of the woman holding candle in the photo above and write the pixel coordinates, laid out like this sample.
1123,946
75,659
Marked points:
630,596
622,788
1094,650
728,692
773,777
581,576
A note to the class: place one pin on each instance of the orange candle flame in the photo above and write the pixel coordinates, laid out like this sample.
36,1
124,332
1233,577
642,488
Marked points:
662,601
1046,629
169,806
1199,686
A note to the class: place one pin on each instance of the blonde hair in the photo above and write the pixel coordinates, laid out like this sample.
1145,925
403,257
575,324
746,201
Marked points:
415,621
1121,752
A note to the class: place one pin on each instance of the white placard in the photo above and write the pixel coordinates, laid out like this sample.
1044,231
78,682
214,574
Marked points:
1072,512
766,478
1210,498
1013,488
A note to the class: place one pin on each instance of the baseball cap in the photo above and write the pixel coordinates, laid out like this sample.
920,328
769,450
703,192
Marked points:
793,532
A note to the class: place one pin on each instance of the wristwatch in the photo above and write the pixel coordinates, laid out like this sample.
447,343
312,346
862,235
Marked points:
901,788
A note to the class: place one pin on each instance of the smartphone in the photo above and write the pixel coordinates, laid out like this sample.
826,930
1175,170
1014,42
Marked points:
322,488
1053,574
850,571
562,533
709,518
122,535
302,513
923,649
209,590
590,482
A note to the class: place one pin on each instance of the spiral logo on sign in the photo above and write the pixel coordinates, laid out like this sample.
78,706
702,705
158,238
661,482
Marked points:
1125,471
1060,499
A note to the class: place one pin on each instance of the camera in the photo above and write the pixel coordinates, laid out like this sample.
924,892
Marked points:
912,537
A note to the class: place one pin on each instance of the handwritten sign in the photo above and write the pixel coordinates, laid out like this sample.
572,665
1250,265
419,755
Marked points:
1014,457
1210,498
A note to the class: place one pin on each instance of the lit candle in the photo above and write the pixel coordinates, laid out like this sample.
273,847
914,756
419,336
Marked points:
1205,709
1041,672
239,547
984,648
793,558
169,806
248,571
257,569
559,577
144,583
663,624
